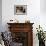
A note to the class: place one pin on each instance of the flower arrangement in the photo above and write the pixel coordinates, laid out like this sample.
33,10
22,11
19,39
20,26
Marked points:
40,34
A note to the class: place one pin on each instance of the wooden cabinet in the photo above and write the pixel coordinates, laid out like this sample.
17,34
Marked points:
22,33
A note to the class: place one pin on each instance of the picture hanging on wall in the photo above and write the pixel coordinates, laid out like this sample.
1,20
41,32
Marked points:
20,9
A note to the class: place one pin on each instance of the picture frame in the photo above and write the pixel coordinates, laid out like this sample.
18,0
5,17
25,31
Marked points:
20,9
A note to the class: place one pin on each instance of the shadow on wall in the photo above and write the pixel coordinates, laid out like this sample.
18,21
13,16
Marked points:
43,6
0,15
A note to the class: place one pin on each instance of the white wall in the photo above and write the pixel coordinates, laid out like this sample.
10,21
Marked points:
43,6
43,14
33,14
33,10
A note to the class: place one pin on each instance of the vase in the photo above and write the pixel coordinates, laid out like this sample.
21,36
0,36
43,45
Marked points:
41,43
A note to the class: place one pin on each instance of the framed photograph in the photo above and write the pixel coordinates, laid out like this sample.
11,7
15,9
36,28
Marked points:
20,9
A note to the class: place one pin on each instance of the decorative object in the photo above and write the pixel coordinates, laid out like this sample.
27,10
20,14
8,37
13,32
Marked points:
13,21
20,9
41,36
1,40
27,21
7,38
